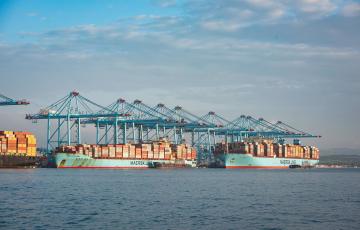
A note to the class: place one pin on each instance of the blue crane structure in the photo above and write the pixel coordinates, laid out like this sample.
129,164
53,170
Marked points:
136,122
67,114
4,100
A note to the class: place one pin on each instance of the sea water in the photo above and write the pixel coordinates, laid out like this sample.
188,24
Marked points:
179,199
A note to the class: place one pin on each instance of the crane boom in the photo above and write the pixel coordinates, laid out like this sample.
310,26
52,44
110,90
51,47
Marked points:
4,100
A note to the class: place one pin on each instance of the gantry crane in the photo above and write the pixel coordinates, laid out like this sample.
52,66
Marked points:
69,111
9,101
122,121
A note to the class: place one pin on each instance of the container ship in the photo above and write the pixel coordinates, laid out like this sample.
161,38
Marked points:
265,154
145,155
18,150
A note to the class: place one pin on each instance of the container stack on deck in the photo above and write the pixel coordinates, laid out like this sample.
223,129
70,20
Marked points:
17,143
160,150
184,151
269,149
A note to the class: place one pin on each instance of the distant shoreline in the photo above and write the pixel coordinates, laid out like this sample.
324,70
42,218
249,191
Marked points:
334,166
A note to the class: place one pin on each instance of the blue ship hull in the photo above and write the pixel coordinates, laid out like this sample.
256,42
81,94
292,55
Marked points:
230,160
69,160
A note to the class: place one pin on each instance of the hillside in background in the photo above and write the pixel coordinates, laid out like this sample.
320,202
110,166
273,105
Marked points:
340,156
339,151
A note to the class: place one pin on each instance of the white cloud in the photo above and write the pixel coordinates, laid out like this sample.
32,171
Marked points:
147,16
246,13
263,3
317,6
351,10
276,14
32,14
85,41
234,15
221,25
165,3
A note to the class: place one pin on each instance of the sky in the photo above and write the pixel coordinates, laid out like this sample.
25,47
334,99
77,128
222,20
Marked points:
295,61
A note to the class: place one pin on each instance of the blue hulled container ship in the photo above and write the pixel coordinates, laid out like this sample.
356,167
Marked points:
265,154
70,160
236,160
144,155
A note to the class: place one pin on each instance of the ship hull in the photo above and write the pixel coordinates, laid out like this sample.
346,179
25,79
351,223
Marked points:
248,161
13,161
66,160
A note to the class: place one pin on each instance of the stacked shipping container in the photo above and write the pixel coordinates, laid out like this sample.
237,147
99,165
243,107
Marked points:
154,151
184,152
17,143
269,149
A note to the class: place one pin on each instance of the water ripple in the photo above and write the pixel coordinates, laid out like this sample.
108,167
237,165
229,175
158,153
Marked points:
179,199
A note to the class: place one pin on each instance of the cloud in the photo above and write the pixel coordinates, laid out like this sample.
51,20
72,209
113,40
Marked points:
145,33
351,9
221,25
226,15
318,7
36,15
32,14
263,3
231,16
277,13
165,3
